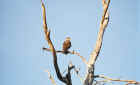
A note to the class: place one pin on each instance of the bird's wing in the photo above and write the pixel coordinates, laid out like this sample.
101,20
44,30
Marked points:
66,45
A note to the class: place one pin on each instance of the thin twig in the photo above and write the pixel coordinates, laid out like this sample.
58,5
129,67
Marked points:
119,80
69,52
50,77
77,73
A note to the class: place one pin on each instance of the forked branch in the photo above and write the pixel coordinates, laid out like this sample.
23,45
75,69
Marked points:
66,79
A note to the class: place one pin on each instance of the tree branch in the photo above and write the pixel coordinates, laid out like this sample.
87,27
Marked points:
103,25
69,52
77,73
51,78
118,80
94,55
67,78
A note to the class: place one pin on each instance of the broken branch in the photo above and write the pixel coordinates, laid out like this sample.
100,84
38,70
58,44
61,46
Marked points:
51,78
118,80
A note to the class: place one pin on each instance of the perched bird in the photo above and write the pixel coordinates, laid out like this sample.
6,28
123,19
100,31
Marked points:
66,45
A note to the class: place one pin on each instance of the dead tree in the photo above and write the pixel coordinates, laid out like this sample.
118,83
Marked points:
90,77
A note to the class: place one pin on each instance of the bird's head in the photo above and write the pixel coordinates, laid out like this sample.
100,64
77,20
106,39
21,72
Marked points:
68,38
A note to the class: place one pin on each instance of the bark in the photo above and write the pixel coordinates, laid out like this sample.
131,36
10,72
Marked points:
94,55
65,79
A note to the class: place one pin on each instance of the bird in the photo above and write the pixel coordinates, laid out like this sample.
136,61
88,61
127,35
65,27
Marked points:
66,45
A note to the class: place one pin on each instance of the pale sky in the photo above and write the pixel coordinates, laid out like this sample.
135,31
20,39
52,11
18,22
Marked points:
22,60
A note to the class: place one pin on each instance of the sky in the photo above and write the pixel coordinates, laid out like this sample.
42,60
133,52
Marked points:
23,62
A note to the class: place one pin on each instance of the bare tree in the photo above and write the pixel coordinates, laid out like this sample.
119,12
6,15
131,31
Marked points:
90,77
